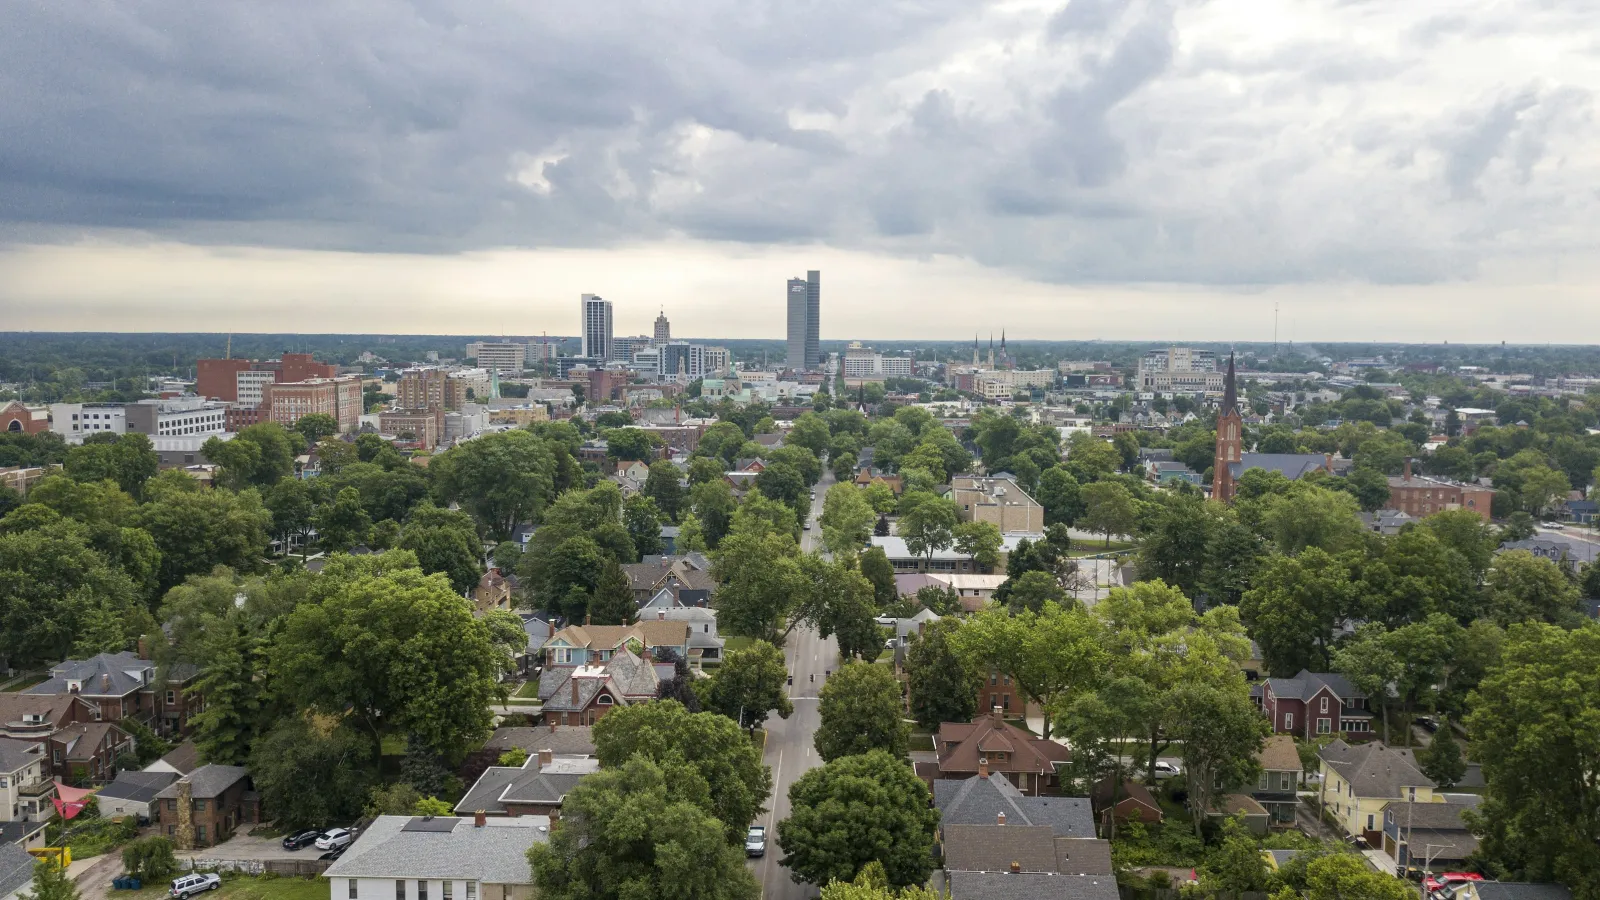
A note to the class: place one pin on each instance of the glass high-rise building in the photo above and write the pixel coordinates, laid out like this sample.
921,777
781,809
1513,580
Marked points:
805,307
595,316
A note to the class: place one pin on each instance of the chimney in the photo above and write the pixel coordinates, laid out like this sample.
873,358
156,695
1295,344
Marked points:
479,819
1405,469
105,681
574,683
144,648
661,615
586,619
1016,867
983,767
546,757
552,726
1000,818
645,655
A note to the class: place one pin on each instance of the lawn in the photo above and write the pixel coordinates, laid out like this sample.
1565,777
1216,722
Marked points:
1094,548
529,690
738,642
243,887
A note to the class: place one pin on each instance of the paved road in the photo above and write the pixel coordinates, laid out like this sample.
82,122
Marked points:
789,751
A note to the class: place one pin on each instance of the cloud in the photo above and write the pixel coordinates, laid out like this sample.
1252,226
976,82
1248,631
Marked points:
1089,142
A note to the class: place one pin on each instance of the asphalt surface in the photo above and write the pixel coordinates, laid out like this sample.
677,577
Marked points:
789,751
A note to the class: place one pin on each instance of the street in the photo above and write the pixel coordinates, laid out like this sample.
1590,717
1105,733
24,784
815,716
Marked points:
789,751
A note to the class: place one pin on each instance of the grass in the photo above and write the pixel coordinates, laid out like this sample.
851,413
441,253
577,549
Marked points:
25,680
529,690
738,642
243,887
1095,548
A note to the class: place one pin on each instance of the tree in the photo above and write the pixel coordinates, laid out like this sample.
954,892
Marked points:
1522,587
979,542
1535,724
312,776
691,535
1090,458
846,519
501,479
631,443
1032,590
750,685
197,531
635,831
1047,654
860,710
506,555
876,568
344,523
857,810
880,497
873,884
1347,876
150,859
1368,486
1371,665
715,506
128,459
642,518
444,541
394,650
258,456
1310,516
1441,760
707,751
612,603
316,426
50,882
759,581
1222,731
783,483
943,687
664,486
1295,606
1465,532
53,584
1108,508
1238,865
811,432
1058,494
929,526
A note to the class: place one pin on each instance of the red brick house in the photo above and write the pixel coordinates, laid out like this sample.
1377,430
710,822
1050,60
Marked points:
1133,802
989,744
1316,703
998,693
124,686
205,806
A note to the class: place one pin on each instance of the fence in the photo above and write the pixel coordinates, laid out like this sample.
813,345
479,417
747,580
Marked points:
288,868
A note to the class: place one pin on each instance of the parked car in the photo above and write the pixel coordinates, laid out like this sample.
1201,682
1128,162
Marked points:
301,839
1429,724
1166,769
1358,842
332,855
806,526
755,841
334,838
189,885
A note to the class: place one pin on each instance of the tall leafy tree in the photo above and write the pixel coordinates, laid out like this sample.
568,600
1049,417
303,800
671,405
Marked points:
127,459
642,518
1295,606
943,687
854,811
876,568
715,506
1522,587
313,772
501,479
612,603
197,530
343,523
1108,509
928,526
664,486
861,711
315,427
750,685
758,583
1048,654
1441,760
1222,732
980,542
846,519
445,541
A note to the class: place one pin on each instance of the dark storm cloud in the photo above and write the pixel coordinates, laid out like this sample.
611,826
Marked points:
1091,141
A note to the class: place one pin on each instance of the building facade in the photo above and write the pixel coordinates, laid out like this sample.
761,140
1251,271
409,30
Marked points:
422,388
286,402
504,357
998,501
1421,495
178,417
804,348
1180,370
663,332
594,315
76,421
1230,440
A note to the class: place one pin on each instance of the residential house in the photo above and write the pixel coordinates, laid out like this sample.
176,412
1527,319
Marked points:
539,631
997,693
562,740
1279,779
123,685
180,760
705,647
1569,552
206,806
16,871
26,790
988,798
1316,703
592,645
1359,780
132,793
686,577
1245,807
990,744
1127,802
493,592
86,753
1583,512
580,695
439,858
1021,862
631,476
1386,522
1434,833
535,788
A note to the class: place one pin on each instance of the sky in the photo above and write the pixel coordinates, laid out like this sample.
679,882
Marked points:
1118,169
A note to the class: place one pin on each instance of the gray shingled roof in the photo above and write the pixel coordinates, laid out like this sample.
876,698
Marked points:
15,754
16,869
1374,770
140,787
529,783
1035,886
1304,685
992,848
563,740
495,853
1521,890
978,801
1445,816
206,781
1292,465
109,674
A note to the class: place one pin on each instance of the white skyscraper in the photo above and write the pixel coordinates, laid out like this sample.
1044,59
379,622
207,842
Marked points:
595,316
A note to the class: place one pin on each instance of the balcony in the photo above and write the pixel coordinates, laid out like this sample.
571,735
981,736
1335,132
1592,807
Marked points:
36,788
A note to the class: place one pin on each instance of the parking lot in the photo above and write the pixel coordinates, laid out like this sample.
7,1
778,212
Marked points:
244,847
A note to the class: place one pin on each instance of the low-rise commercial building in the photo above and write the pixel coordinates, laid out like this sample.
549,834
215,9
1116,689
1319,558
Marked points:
439,858
998,501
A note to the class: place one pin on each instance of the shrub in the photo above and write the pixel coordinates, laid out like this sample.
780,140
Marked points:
514,757
150,859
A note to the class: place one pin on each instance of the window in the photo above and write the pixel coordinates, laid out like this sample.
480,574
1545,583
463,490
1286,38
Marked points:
172,697
1005,701
603,700
422,889
994,700
1288,721
1324,704
1411,794
1285,781
994,679
199,833
199,806
1369,822
448,887
353,883
472,890
1262,784
399,890
1324,726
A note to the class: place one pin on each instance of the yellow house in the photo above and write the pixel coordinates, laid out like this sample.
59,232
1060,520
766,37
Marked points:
1359,780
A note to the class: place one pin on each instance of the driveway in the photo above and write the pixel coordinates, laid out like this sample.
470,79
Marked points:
244,847
94,880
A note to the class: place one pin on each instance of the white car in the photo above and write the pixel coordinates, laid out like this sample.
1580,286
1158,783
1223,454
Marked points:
334,838
189,885
755,841
1164,769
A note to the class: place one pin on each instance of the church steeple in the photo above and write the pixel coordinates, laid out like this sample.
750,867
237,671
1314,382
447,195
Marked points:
1230,439
1230,390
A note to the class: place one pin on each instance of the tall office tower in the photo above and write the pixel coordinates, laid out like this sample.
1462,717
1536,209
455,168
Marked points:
595,316
805,306
663,330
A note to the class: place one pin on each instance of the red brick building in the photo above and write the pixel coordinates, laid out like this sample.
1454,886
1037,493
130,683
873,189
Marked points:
19,419
218,378
1421,496
1230,439
286,402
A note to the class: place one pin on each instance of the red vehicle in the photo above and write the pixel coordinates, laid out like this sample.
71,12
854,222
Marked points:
1448,880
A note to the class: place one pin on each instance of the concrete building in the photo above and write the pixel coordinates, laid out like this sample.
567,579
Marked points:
594,317
1179,370
439,858
681,360
1421,496
504,357
250,385
177,417
717,360
998,501
286,402
422,388
866,364
76,421
805,309
663,332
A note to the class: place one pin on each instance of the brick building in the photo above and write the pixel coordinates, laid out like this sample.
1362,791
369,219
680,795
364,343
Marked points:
124,686
1421,496
286,402
219,379
422,388
998,501
206,806
1230,439
19,419
426,426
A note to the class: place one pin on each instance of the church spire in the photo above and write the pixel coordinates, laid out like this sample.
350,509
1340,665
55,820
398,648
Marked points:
1230,390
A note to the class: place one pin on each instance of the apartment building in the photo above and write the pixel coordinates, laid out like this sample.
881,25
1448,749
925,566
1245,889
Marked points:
286,403
504,357
219,379
998,501
1422,495
1179,370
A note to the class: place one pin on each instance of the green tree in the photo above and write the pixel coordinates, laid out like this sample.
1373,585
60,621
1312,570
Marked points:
703,469
1108,509
873,884
929,526
127,459
1465,532
53,585
707,751
150,859
613,602
444,541
1295,607
839,602
198,531
979,542
259,455
1371,665
1047,654
846,519
642,518
876,568
759,581
1522,587
312,776
861,711
810,432
1535,724
1369,487
501,479
1032,590
880,497
1346,876
750,685
783,483
342,524
1222,731
1312,517
1058,494
664,486
715,506
316,426
943,686
1238,865
1441,760
635,831
631,443
51,882
506,556
854,811
691,535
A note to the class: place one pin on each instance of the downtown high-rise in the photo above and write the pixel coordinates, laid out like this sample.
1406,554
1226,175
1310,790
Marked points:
595,316
805,307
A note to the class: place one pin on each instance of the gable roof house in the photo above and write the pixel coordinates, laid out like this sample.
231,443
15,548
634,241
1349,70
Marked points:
38,718
535,788
1316,703
206,806
131,793
591,645
86,753
1022,862
705,647
493,592
123,685
25,790
990,744
1359,780
1129,802
1279,779
579,695
1437,831
421,857
990,798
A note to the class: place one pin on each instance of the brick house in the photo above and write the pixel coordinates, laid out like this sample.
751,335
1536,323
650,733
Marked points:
86,753
580,695
1316,703
206,806
990,744
1422,496
536,788
997,692
123,686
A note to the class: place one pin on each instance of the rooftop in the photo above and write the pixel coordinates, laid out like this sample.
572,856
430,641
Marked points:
444,848
1374,770
206,782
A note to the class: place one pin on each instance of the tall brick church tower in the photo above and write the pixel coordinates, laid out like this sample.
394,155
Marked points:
1230,428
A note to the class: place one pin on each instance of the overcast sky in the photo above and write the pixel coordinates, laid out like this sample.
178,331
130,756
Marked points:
1160,169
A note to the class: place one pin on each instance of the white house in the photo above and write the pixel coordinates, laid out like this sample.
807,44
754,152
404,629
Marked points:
439,858
24,791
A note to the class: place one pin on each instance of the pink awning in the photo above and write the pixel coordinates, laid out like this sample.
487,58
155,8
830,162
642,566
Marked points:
70,801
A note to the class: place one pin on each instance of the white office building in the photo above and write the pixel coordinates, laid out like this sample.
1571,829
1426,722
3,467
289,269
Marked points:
594,314
76,421
503,357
